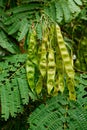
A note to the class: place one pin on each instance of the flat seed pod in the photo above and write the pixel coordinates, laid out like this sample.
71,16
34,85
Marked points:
31,61
60,69
32,49
61,83
43,59
39,84
64,53
66,61
51,71
70,83
30,74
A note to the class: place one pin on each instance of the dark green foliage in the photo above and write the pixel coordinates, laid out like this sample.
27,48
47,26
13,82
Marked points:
17,17
14,91
18,123
81,88
6,43
59,113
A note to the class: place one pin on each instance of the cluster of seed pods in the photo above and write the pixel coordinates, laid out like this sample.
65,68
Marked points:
52,60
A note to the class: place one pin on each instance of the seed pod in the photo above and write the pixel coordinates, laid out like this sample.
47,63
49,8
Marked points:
60,69
43,59
39,84
31,61
32,49
61,83
30,74
70,85
66,61
51,70
64,53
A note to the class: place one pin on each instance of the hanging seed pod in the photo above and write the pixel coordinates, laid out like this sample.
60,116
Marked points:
30,74
32,60
51,65
59,79
32,48
60,69
51,70
38,87
60,74
64,53
61,83
70,85
43,59
67,62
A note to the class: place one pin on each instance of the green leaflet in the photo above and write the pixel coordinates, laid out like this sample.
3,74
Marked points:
66,11
59,11
10,100
4,102
14,27
24,91
39,29
6,44
73,7
79,2
24,26
67,63
25,7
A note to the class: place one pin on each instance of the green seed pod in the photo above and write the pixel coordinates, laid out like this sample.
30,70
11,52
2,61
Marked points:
32,49
39,84
67,62
32,60
60,69
43,59
30,74
64,53
70,85
51,70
